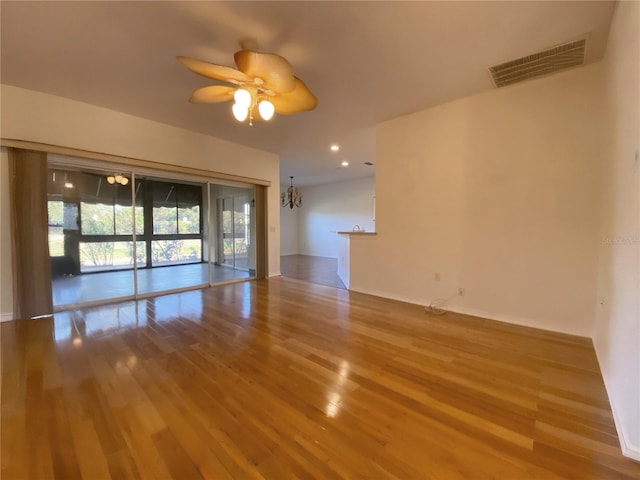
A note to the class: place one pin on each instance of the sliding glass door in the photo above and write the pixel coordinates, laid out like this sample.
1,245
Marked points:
173,239
90,237
117,235
233,232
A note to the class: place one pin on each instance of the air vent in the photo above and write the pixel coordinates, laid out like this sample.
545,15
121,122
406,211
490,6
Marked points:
548,61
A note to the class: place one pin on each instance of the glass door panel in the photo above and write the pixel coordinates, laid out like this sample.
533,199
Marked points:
90,237
172,213
232,226
113,236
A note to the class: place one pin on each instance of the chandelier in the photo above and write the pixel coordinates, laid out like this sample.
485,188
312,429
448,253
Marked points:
292,197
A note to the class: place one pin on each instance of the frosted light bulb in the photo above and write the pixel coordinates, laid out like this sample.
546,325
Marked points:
266,109
241,113
118,178
111,179
124,181
242,97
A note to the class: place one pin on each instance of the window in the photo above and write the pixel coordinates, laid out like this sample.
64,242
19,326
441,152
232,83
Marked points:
100,256
176,208
171,252
189,219
55,210
177,232
92,223
106,209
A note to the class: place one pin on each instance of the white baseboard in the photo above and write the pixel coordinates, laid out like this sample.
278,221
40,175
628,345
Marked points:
628,449
6,317
525,322
275,274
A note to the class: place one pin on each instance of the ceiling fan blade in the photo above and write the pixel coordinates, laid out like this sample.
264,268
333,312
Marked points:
213,94
212,70
298,100
274,70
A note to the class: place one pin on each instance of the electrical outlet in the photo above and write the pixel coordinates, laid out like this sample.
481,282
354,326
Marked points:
436,277
461,291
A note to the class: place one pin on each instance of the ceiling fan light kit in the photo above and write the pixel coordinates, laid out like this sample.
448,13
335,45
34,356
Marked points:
119,179
263,85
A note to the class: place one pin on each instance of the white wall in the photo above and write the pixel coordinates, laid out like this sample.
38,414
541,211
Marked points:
38,117
289,231
617,329
330,208
6,281
497,193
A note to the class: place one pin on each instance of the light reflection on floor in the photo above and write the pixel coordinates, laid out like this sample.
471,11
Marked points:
103,320
246,301
93,287
187,306
334,398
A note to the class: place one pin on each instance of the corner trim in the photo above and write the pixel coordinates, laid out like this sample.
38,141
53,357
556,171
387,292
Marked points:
628,449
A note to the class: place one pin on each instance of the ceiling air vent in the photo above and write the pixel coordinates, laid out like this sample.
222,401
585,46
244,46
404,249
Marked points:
548,61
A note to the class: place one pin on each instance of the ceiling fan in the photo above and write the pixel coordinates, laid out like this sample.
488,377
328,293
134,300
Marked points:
262,82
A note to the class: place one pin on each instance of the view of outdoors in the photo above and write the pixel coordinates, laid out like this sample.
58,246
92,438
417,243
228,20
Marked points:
236,225
114,219
102,228
56,227
176,221
103,214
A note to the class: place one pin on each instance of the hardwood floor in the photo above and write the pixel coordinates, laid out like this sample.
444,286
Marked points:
283,379
320,270
92,287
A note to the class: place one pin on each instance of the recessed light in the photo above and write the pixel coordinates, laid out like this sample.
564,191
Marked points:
334,148
345,164
68,185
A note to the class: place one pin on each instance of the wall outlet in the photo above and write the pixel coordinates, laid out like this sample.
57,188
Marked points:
436,277
461,291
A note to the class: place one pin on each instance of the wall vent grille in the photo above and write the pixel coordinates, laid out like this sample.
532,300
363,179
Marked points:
548,61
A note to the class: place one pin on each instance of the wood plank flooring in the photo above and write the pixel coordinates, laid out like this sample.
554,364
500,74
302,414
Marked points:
284,379
320,270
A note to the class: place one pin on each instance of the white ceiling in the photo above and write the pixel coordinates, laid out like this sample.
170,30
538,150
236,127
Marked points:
367,62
